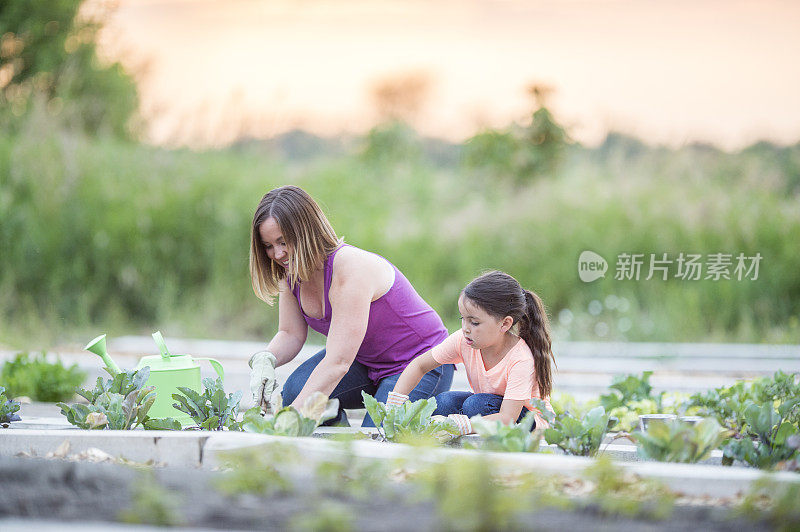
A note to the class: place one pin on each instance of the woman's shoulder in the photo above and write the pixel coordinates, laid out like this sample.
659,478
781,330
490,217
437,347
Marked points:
352,261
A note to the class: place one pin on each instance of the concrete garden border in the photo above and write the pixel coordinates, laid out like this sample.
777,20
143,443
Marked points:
206,450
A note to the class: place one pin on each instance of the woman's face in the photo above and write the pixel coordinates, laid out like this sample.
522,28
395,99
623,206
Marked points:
272,238
480,328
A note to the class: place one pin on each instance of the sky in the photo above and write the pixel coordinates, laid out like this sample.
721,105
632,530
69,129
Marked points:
719,71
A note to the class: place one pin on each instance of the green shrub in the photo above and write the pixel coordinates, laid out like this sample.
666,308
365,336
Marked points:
8,408
40,380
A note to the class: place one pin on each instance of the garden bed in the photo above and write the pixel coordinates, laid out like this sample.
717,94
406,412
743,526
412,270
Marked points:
87,492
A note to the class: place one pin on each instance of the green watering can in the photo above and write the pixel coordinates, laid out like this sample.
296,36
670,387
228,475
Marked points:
167,372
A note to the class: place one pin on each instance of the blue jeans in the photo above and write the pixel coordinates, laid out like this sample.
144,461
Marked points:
356,380
471,404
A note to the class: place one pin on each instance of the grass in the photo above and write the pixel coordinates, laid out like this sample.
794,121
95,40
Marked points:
101,234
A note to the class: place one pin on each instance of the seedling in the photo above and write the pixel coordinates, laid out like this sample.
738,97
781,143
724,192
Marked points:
581,437
677,441
288,421
411,420
515,438
254,471
152,504
211,410
774,502
119,403
618,493
772,431
8,409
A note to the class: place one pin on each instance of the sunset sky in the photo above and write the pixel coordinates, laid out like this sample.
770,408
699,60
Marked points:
721,71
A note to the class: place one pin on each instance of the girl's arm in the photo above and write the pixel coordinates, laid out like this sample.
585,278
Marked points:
353,285
292,328
414,372
510,410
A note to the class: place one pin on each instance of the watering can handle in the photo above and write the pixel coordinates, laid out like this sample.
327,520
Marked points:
216,365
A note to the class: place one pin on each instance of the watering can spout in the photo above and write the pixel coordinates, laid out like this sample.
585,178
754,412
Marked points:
98,347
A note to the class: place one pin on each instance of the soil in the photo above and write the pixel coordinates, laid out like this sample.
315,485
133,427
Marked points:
59,490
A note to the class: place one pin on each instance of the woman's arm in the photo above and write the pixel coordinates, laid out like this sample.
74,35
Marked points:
353,285
414,372
510,410
292,328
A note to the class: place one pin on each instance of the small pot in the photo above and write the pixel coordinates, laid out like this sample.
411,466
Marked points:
691,420
646,419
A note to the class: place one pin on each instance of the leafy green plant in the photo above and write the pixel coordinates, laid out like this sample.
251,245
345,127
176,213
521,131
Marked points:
771,430
774,502
618,493
563,402
119,403
152,504
289,421
496,436
728,403
677,441
254,471
40,380
469,495
793,442
410,420
581,437
327,516
211,410
627,388
631,396
8,409
779,388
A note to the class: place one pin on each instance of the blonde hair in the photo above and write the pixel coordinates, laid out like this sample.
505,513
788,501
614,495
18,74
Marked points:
305,230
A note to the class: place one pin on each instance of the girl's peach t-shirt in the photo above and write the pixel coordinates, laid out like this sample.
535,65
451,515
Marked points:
513,377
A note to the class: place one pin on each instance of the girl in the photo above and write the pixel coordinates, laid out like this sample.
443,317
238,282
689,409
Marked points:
505,370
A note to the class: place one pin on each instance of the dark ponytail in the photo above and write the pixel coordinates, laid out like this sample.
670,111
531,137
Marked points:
501,295
534,328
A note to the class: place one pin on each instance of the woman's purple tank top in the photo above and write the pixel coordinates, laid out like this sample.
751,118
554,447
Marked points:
401,325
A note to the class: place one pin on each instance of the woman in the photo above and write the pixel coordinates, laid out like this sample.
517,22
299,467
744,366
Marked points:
374,320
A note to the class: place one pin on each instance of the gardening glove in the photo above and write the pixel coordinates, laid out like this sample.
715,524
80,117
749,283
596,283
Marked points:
262,378
461,422
396,399
457,421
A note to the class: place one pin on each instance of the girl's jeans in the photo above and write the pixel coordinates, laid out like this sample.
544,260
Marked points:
349,389
471,404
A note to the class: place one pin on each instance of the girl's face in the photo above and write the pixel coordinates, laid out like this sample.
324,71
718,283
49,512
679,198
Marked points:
272,238
481,329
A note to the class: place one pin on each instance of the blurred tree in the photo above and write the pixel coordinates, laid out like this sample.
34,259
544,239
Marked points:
521,152
543,140
401,97
397,100
48,57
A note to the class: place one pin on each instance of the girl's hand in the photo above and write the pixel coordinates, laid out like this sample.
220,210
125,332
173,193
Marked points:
396,399
461,422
